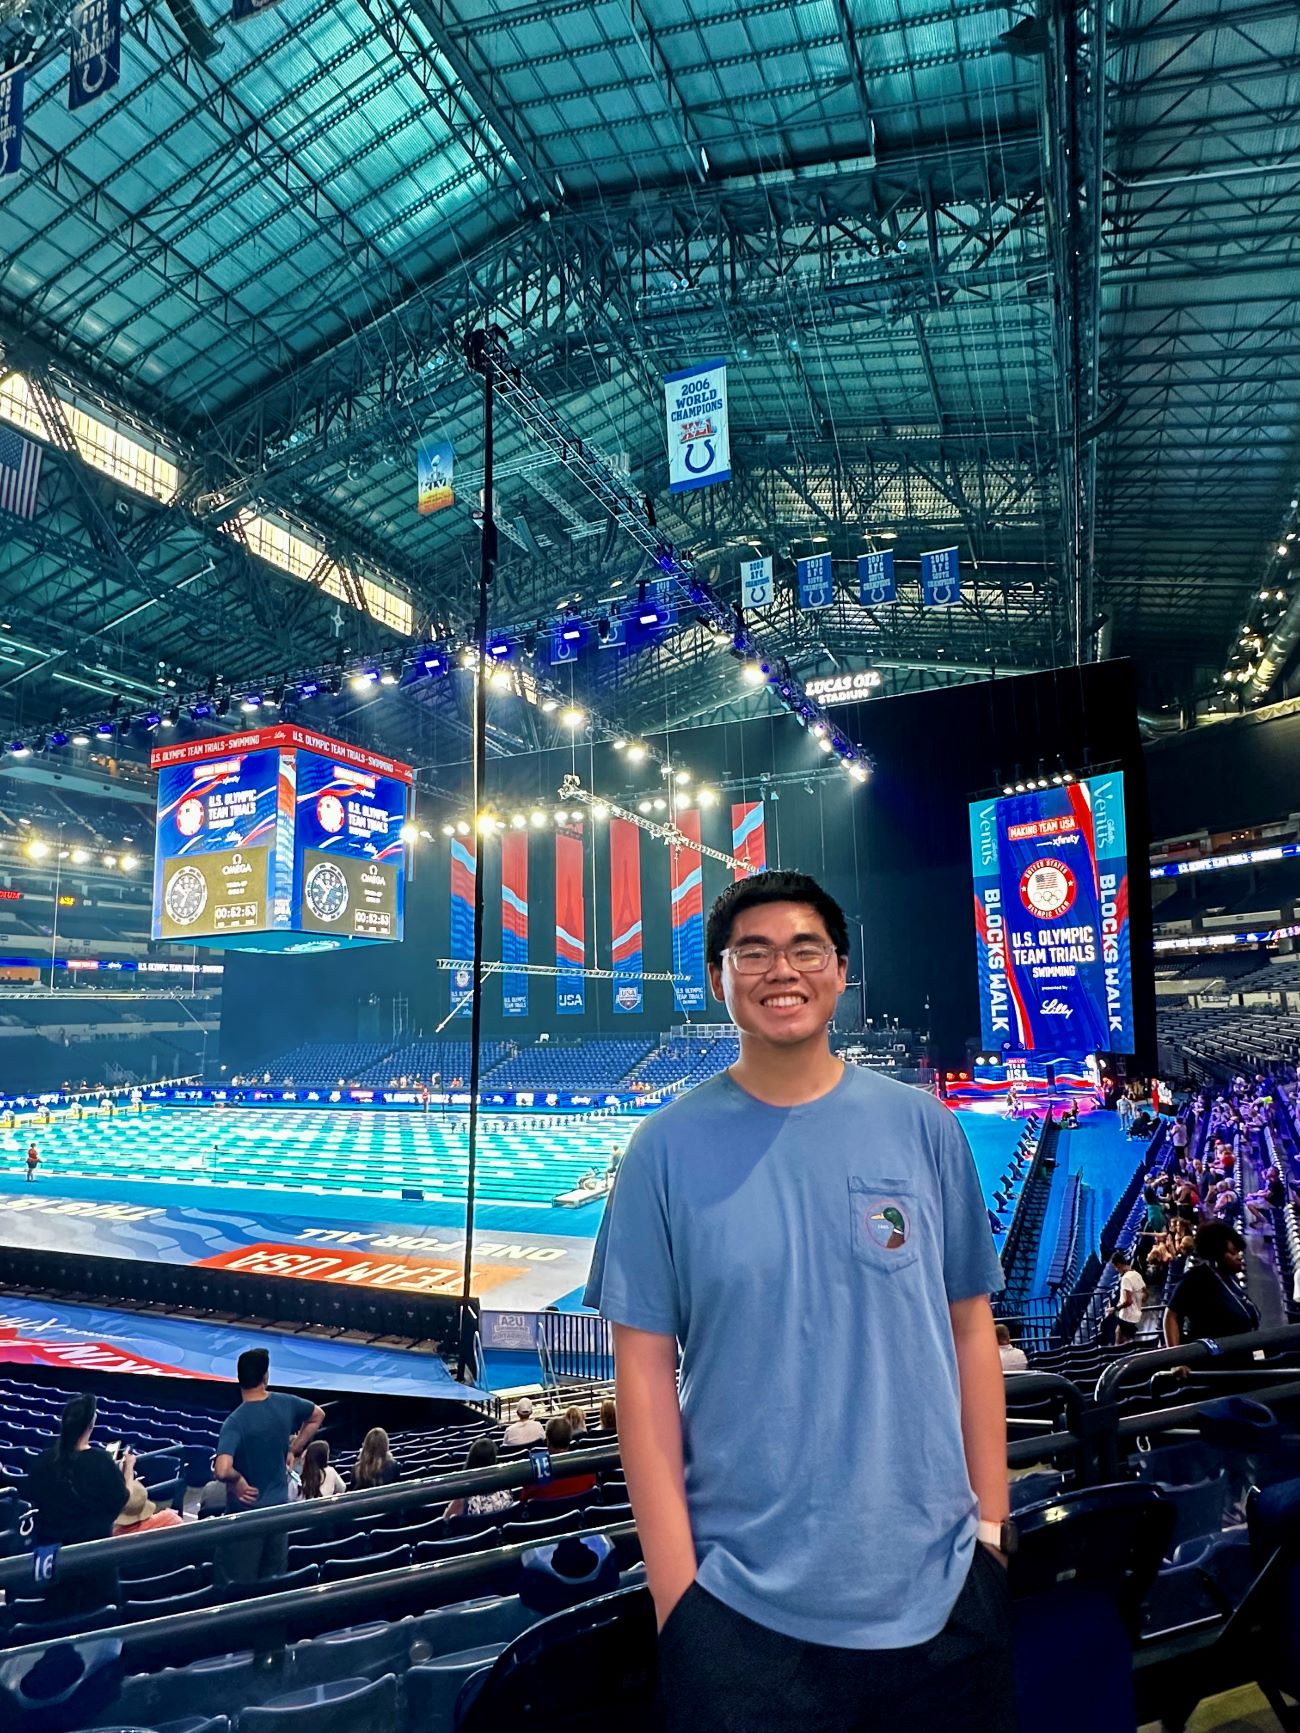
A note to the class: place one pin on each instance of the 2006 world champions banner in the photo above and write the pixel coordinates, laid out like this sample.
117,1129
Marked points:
626,947
699,440
1051,919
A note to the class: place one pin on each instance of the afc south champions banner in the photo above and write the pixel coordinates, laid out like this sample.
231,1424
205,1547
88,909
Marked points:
570,924
514,923
940,579
1051,919
463,866
626,944
756,583
816,582
699,440
876,585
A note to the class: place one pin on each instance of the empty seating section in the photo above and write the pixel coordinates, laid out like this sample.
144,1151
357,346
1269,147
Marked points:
424,1060
681,1064
325,1062
579,1065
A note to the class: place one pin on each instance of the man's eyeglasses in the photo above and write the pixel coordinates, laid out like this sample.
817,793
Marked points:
805,956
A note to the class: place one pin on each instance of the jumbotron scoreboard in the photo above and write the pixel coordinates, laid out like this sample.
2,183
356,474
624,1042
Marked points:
279,839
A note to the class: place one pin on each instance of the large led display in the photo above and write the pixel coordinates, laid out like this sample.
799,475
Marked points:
279,840
1051,919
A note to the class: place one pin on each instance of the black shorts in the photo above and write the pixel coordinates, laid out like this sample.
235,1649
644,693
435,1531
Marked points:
721,1671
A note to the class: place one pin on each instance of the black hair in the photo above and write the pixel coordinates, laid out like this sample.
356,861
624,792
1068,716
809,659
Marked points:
559,1434
773,887
482,1453
77,1416
1214,1239
253,1368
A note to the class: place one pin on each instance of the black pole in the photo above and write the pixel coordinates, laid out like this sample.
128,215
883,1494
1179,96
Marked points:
479,352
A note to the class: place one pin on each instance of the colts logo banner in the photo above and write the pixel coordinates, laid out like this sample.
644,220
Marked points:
876,586
699,439
756,583
940,579
96,49
816,584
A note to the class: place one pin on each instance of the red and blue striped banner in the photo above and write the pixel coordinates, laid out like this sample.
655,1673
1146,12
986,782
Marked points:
626,945
514,922
463,866
748,838
687,867
570,924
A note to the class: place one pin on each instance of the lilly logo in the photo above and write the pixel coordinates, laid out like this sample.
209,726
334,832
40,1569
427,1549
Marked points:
1056,1008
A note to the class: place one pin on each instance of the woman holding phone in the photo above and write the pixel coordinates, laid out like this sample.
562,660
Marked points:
79,1492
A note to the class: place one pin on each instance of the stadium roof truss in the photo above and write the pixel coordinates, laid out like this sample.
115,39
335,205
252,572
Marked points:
1018,281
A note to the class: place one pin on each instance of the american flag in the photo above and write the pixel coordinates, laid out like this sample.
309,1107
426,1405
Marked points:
20,471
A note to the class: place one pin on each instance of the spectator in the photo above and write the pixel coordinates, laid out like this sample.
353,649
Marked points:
1130,1297
256,1444
558,1439
1209,1302
1143,1125
482,1454
1178,1137
523,1429
318,1478
1271,1196
79,1492
577,1422
141,1513
375,1464
609,1415
1013,1359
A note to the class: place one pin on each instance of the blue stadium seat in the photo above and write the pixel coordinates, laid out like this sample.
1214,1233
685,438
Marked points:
318,1552
1180,1598
340,1570
356,1652
461,1544
1199,1507
75,1625
341,1706
54,1690
1033,1488
218,1683
434,1687
541,1529
182,1581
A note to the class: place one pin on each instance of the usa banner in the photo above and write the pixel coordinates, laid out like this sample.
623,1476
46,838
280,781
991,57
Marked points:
514,923
570,923
748,838
756,589
699,440
626,947
687,882
876,586
463,867
816,583
940,579
96,59
11,122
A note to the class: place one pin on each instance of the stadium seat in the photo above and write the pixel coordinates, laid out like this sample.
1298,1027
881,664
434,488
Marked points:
1181,1597
57,1689
356,1652
1198,1508
429,1550
340,1706
434,1687
608,1644
178,1582
187,1724
75,1625
542,1529
1033,1488
321,1552
339,1570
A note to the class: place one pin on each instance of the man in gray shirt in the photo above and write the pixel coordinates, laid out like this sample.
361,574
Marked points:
254,1450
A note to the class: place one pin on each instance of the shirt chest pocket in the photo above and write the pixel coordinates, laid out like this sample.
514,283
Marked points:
883,1224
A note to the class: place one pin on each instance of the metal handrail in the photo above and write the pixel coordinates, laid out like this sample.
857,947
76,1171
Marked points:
200,1539
1189,1354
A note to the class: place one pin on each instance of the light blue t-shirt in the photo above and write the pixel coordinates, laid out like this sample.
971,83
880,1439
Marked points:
805,1258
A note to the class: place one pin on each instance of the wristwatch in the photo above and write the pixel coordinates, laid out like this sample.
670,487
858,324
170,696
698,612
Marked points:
1003,1535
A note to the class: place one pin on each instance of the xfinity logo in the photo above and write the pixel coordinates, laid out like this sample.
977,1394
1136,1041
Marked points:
1056,1008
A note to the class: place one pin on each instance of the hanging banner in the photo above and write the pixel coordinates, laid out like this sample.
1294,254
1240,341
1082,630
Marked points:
748,838
940,579
463,864
514,922
756,583
699,441
566,641
11,123
435,460
687,881
95,64
876,586
625,916
816,584
570,923
616,637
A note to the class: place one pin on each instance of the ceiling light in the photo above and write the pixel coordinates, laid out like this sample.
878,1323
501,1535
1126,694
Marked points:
600,810
462,828
537,818
644,806
682,778
37,849
858,772
388,677
636,752
80,856
128,863
449,830
753,673
659,805
410,833
81,738
549,704
518,820
573,717
707,797
823,744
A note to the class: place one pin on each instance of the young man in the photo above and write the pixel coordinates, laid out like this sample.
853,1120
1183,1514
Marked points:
255,1447
820,1512
1130,1297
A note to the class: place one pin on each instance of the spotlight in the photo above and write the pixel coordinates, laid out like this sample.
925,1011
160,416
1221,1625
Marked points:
858,772
19,749
500,649
1020,788
81,738
707,797
253,701
1067,776
823,744
110,860
602,628
36,849
433,664
128,863
364,680
561,817
636,753
537,818
754,673
573,717
600,810
684,797
58,738
518,820
644,806
410,833
199,711
819,729
389,677
619,745
467,657
105,731
550,704
449,830
501,679
486,823
659,805
462,829
171,716
1007,789
682,778
80,856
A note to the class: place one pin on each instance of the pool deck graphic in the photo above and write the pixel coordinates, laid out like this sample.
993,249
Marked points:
410,1250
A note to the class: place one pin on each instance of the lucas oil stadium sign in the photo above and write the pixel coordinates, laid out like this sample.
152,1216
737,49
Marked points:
844,688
